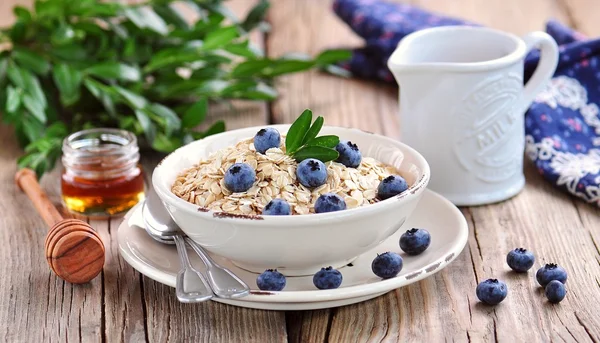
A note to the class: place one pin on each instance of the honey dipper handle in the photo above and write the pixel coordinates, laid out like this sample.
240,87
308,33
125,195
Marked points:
27,181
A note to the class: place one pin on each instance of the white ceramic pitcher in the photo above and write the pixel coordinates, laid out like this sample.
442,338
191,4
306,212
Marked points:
462,105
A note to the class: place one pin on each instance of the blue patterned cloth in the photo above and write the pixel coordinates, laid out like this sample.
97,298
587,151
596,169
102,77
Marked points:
562,126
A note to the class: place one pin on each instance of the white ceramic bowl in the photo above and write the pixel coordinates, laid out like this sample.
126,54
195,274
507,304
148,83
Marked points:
299,244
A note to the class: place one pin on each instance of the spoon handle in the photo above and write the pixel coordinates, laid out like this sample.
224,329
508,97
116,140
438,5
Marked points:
26,180
224,283
190,287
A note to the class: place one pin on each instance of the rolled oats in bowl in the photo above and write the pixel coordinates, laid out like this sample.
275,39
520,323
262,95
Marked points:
351,177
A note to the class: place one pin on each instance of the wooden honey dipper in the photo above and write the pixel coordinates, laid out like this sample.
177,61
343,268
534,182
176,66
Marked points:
74,250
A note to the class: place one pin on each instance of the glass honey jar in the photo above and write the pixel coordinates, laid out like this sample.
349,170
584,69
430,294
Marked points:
102,175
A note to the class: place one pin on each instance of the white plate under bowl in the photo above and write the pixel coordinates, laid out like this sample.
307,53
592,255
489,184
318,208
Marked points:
447,225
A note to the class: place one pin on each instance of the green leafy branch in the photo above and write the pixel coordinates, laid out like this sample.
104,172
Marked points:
302,142
72,65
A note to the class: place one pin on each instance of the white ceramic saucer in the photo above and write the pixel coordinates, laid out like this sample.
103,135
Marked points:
447,225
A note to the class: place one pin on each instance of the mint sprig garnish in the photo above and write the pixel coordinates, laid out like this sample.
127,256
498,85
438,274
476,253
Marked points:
302,142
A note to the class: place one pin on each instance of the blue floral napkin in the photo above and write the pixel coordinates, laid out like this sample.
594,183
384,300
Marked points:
562,126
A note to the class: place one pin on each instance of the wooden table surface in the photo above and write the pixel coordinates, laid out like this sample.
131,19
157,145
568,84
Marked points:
122,305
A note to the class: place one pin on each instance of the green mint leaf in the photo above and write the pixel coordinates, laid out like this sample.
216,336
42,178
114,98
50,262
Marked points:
215,128
297,131
31,60
250,68
172,15
313,131
35,108
220,37
63,35
333,56
255,16
68,82
244,49
329,141
318,152
25,80
13,99
249,90
195,114
114,70
22,13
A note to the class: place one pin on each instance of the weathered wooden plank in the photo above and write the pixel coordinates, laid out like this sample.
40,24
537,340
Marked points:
445,307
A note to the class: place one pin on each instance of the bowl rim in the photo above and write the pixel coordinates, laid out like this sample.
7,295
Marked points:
413,191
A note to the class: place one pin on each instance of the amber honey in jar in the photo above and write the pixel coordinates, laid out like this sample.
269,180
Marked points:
102,175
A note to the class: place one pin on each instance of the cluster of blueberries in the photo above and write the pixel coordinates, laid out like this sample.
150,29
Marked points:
387,265
551,276
311,173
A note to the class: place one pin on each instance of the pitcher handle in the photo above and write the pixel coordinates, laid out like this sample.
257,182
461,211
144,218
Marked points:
545,68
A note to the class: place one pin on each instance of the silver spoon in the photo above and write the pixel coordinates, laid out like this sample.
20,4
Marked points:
223,282
190,285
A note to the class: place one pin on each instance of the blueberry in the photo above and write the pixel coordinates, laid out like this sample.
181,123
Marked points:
277,207
491,291
415,241
390,186
327,278
520,260
271,280
329,202
311,173
387,265
550,272
555,291
239,177
349,156
266,139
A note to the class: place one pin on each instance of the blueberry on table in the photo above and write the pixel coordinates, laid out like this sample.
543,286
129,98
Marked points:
415,241
555,291
266,139
391,186
327,278
491,291
550,272
239,177
311,173
387,265
349,155
520,260
271,280
329,202
277,207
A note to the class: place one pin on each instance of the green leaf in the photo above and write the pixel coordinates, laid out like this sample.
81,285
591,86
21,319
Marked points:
171,119
243,49
158,62
221,37
63,35
172,16
48,8
250,68
133,99
286,67
68,82
166,144
314,130
32,128
215,128
114,70
297,131
33,87
147,125
195,114
34,107
255,16
22,13
13,100
221,10
333,56
145,17
328,141
70,52
318,152
337,71
249,90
